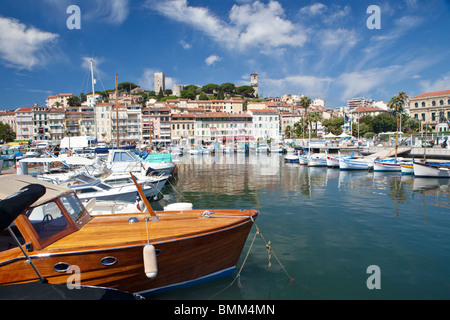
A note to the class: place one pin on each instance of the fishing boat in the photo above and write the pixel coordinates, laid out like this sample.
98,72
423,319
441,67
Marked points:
292,157
333,162
317,160
138,253
407,168
387,165
432,169
356,164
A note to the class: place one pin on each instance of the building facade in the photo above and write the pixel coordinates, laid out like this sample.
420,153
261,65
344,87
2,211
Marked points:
432,108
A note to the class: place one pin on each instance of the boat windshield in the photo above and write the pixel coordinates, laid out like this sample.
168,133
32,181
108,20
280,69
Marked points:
73,206
47,219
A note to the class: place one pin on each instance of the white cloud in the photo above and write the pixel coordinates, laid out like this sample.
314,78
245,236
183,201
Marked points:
185,45
212,59
24,47
438,85
111,11
358,83
249,25
313,9
310,86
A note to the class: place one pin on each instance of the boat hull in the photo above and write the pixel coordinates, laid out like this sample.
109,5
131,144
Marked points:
430,170
388,166
407,168
182,258
351,164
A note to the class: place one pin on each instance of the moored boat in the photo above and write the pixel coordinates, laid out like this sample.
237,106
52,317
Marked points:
407,168
389,165
430,169
356,164
137,253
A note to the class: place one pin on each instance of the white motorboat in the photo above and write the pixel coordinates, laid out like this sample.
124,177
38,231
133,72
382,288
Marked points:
125,161
87,188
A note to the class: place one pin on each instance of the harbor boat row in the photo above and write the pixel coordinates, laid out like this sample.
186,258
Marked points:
378,164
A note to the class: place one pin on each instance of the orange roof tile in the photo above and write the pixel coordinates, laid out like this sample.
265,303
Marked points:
431,94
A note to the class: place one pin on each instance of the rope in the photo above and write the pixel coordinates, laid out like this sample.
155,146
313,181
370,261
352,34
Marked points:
269,252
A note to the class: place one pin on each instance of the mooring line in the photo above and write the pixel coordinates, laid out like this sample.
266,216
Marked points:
269,251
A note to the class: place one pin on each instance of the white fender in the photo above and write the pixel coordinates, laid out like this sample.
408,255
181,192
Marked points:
150,264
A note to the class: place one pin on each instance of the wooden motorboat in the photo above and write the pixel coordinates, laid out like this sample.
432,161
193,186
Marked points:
137,253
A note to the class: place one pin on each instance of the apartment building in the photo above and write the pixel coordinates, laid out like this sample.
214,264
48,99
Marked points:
56,117
222,126
183,128
432,108
266,124
59,100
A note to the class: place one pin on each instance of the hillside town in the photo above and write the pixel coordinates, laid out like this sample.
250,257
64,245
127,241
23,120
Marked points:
132,115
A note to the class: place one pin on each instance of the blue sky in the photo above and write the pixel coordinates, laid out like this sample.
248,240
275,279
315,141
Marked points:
323,49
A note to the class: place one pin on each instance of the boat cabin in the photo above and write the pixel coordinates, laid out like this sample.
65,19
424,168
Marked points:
51,217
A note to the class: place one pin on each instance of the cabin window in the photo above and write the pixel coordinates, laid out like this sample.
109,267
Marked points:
73,206
47,220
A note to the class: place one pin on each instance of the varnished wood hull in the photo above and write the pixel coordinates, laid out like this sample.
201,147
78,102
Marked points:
189,247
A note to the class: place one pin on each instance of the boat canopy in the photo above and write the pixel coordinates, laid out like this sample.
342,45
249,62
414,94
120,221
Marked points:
10,184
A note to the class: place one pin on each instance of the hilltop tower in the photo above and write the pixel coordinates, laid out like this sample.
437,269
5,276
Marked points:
160,82
254,82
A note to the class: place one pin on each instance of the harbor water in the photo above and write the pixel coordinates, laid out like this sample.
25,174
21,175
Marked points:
333,234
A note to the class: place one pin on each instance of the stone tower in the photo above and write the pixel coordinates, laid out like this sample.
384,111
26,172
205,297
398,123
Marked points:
160,82
254,82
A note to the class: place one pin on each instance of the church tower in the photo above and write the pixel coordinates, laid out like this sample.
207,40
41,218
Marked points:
254,82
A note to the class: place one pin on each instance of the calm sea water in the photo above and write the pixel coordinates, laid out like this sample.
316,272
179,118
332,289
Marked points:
326,227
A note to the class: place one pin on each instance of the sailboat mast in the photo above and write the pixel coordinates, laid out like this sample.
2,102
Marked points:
117,118
93,97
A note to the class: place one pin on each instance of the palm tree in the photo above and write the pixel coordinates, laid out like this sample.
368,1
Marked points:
403,100
305,102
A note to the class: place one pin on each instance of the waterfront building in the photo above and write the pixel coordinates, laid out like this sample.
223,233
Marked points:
432,108
41,123
183,128
160,123
265,124
24,124
222,126
103,121
8,117
56,117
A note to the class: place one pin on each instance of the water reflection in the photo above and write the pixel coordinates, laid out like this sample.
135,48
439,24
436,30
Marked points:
327,226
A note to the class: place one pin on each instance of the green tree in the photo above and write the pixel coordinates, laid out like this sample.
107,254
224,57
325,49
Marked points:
228,87
210,88
246,91
334,125
203,96
384,122
305,102
73,101
188,94
126,86
7,133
